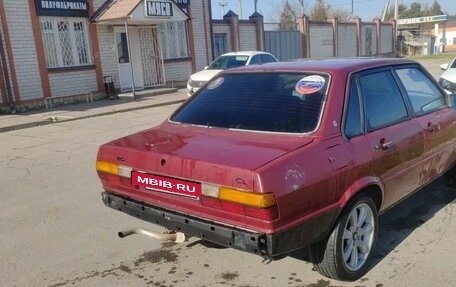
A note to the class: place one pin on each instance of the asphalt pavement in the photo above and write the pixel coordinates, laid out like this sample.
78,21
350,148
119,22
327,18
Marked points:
65,113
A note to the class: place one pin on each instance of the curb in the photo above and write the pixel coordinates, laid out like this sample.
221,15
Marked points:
49,121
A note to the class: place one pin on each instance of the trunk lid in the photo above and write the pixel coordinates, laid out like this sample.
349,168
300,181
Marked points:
200,154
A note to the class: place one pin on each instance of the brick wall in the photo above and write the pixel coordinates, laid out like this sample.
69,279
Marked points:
177,71
248,37
23,48
108,53
72,83
450,43
198,20
223,29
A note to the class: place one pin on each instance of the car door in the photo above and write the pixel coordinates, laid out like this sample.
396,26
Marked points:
396,139
437,120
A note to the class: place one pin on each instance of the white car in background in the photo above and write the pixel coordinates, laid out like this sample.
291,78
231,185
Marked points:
227,61
448,78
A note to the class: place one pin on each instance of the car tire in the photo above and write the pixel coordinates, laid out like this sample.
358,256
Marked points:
449,177
346,253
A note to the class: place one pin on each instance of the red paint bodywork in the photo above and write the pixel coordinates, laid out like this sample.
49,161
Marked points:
310,174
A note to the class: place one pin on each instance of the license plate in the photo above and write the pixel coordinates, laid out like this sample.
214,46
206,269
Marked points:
166,184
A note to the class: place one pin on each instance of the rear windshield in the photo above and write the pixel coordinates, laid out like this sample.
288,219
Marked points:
272,102
227,62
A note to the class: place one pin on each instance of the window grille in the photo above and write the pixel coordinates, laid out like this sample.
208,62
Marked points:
50,47
65,42
81,42
173,37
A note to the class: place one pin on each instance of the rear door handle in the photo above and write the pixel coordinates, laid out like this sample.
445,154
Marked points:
384,145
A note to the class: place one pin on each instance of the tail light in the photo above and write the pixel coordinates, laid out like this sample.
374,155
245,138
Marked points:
248,203
257,205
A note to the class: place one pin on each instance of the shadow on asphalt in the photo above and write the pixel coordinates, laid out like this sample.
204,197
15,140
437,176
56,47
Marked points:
399,222
396,224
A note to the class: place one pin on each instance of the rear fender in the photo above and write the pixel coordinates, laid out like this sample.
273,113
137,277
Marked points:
358,186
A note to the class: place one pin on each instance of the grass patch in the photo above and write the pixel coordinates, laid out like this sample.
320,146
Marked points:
441,56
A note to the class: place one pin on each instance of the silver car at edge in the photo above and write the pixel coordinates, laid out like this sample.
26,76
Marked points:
448,79
227,61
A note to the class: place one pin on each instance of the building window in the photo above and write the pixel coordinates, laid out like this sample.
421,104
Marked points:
173,38
65,42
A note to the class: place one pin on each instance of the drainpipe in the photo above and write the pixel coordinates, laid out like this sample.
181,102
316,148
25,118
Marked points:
12,108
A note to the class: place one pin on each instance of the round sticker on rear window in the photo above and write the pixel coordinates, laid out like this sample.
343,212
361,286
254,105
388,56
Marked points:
215,84
310,84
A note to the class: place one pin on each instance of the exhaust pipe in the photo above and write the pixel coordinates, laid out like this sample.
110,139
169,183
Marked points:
177,237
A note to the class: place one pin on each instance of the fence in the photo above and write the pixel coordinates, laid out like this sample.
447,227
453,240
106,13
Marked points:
331,38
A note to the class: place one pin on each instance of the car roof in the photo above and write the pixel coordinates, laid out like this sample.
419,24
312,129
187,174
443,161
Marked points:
329,65
245,53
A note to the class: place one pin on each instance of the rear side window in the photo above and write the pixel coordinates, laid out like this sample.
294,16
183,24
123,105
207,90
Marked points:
353,114
423,93
273,102
383,102
265,58
255,60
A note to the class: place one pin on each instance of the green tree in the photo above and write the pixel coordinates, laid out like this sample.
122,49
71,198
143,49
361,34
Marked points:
340,14
287,17
320,11
435,9
401,10
414,10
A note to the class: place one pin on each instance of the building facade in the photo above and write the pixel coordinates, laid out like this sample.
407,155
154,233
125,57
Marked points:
446,38
58,49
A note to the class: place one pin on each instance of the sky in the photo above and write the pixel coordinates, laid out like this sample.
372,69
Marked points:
366,9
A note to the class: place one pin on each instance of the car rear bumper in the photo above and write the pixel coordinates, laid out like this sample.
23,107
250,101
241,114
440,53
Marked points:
265,245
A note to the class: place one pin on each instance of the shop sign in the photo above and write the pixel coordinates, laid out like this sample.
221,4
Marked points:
159,9
419,20
63,8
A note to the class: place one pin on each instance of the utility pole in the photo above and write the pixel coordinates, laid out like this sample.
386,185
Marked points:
385,10
240,9
396,10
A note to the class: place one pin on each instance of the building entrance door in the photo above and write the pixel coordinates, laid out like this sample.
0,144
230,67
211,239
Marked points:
146,59
125,63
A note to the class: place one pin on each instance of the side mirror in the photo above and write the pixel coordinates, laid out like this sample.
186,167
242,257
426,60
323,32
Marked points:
207,67
444,67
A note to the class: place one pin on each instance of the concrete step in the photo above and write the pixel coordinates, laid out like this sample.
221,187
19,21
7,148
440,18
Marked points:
155,92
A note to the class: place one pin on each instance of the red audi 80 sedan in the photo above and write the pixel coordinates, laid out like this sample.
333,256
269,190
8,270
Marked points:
273,158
